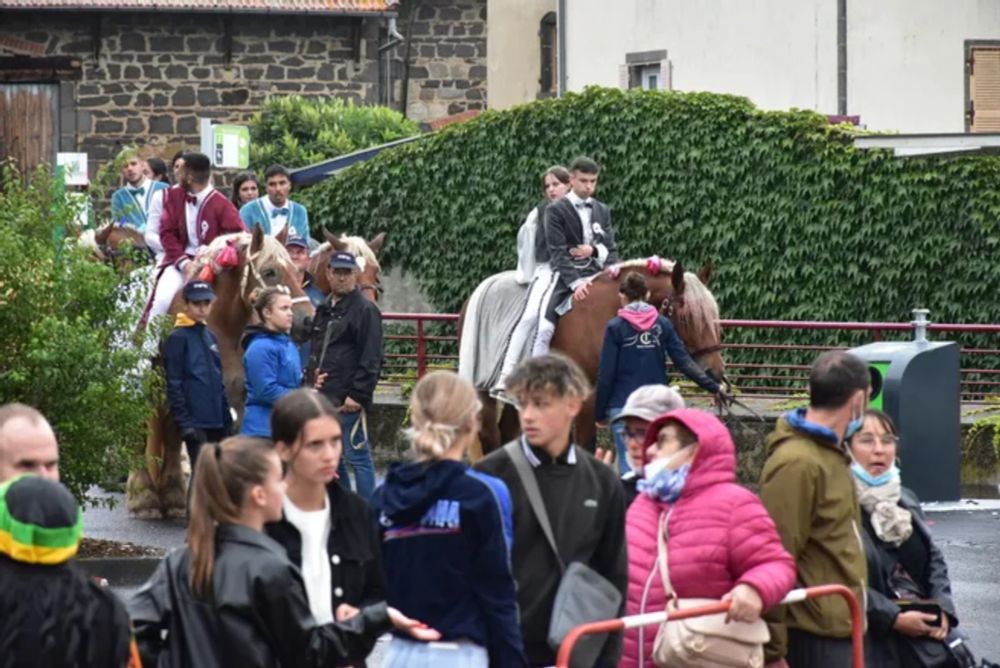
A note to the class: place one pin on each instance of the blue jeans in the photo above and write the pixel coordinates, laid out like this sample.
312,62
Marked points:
358,454
618,434
407,653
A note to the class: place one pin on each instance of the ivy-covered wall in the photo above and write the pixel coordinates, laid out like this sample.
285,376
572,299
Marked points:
797,223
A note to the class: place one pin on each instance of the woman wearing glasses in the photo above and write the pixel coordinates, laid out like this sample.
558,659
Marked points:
911,615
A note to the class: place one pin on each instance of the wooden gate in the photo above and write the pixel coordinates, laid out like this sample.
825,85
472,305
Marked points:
28,123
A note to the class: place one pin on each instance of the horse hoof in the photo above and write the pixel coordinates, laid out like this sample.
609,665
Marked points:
175,513
146,513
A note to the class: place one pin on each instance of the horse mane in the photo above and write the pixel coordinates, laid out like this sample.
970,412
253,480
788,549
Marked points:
356,245
88,240
700,315
272,251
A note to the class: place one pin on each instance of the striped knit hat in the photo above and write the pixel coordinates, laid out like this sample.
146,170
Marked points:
40,522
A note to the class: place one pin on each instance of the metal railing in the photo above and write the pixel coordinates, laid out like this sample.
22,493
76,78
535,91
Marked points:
419,342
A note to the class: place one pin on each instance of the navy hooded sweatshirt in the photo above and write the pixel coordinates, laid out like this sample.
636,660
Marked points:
446,554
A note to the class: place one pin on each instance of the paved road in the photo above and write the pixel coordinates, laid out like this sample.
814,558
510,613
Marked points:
968,534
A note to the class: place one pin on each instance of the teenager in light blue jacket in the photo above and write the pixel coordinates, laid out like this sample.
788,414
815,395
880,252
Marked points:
275,211
271,364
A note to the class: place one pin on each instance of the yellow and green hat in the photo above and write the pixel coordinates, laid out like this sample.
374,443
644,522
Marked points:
40,521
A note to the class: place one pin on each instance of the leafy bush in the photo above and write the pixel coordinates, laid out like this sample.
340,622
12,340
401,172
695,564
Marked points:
65,340
797,222
295,131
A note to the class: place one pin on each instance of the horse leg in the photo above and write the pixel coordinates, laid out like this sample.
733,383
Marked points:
489,431
510,424
173,491
586,430
142,499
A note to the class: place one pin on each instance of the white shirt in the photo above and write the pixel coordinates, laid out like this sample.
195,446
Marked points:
145,198
314,528
277,222
585,213
153,217
191,216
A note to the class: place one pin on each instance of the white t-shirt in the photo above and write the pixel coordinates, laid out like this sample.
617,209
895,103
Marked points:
314,528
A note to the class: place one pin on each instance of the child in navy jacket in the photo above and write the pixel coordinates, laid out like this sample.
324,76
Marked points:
196,393
636,343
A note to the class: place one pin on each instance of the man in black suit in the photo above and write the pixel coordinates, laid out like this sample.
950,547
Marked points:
581,243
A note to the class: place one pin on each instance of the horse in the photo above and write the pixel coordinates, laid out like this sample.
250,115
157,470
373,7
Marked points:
157,488
681,296
367,251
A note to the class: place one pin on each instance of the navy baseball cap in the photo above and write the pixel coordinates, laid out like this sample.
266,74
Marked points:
297,240
343,260
198,291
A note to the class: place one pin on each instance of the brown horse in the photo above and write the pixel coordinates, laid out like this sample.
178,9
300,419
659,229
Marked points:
158,488
370,279
681,296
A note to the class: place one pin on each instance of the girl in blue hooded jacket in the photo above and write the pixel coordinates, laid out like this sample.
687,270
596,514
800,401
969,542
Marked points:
271,364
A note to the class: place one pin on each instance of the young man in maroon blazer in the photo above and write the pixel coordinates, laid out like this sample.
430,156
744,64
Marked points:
193,216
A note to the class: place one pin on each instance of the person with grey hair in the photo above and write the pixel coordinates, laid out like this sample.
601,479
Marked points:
27,443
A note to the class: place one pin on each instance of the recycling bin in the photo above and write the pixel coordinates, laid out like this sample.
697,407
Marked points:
917,384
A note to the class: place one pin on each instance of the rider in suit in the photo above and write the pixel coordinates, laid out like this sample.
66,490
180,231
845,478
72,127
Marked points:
581,243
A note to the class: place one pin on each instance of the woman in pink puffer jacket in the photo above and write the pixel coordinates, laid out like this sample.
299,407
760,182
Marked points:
721,542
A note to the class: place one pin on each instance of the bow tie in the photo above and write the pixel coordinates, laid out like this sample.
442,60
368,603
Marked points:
585,205
192,200
279,212
138,192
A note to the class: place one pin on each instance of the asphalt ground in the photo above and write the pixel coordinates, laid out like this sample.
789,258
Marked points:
968,533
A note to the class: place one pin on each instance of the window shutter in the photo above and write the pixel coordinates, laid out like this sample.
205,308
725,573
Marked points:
624,77
984,90
665,82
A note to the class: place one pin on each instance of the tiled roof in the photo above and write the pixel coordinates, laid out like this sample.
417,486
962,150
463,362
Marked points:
228,6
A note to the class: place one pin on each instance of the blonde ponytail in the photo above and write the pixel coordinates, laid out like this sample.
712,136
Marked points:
442,409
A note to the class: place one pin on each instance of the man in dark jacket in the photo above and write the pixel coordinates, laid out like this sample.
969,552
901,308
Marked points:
346,359
580,242
196,393
582,497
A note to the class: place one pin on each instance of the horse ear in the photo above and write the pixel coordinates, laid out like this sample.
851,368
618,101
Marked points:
677,278
705,273
282,236
257,240
376,243
334,240
101,236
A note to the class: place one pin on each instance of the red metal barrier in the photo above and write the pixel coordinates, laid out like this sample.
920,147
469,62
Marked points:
794,596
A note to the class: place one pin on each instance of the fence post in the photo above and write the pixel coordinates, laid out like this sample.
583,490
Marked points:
421,350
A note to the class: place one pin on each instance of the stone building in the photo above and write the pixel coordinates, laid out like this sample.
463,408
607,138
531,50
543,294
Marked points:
94,75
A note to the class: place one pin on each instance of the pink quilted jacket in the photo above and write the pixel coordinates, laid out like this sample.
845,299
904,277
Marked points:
720,535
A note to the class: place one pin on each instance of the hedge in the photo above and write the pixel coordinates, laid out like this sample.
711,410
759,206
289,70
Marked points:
797,222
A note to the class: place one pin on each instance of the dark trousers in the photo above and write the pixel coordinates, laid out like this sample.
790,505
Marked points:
806,650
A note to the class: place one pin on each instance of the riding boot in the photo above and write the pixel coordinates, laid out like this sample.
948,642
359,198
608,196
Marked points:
543,338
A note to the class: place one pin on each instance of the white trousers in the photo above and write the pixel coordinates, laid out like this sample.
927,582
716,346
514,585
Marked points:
171,280
539,291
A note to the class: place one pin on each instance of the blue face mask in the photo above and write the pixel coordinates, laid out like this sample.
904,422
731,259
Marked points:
853,427
662,483
864,476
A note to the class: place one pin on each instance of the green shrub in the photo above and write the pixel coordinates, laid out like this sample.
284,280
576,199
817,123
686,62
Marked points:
797,223
65,341
295,131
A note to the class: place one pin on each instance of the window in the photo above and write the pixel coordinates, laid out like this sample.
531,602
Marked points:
548,36
649,70
982,86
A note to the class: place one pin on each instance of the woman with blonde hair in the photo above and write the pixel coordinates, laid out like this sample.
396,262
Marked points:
232,597
443,529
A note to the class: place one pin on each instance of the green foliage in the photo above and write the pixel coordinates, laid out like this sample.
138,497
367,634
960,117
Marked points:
65,337
295,131
797,223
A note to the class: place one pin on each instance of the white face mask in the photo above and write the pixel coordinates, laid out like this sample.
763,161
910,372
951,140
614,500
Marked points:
650,470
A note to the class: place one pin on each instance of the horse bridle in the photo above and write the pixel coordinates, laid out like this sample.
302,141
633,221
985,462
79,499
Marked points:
375,288
668,309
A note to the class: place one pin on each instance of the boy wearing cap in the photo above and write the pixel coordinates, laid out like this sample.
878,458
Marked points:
274,211
195,389
347,346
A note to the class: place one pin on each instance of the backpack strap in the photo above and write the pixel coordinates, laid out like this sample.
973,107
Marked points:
530,484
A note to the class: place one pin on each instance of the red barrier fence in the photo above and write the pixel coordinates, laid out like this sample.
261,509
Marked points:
783,374
794,596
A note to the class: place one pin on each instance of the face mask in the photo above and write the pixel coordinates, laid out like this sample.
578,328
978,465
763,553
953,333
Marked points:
862,474
663,483
854,426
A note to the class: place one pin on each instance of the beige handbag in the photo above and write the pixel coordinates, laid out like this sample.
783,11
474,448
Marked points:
700,642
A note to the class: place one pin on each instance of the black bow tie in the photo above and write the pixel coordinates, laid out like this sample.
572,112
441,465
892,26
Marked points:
585,205
138,192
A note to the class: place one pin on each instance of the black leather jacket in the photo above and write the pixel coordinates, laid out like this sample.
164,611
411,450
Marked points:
259,616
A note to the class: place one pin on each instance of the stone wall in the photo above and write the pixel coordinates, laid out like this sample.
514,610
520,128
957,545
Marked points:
148,77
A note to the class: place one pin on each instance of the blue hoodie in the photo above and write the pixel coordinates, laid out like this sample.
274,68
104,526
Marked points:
447,556
272,369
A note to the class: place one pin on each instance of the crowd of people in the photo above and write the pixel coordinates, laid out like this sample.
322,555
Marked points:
472,564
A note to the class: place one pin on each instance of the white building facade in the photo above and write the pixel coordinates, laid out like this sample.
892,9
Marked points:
912,66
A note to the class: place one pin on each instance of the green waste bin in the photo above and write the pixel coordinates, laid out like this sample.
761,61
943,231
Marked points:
920,391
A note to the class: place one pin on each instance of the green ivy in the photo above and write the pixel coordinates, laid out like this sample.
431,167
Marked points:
295,131
798,224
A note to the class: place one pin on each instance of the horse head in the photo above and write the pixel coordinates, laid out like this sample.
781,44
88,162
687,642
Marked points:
369,280
265,262
121,245
684,298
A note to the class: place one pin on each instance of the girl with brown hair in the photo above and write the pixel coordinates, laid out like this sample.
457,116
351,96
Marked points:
232,597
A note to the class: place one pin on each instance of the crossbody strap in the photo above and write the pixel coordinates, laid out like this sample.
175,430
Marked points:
661,553
534,494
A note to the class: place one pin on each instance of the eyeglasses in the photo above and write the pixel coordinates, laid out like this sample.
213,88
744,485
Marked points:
639,435
868,441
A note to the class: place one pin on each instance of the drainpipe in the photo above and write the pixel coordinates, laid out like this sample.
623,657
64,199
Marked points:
393,39
561,34
842,57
